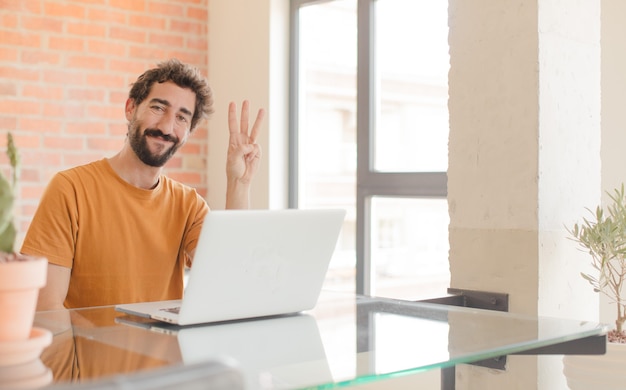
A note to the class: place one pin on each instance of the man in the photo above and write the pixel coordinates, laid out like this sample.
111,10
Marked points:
118,230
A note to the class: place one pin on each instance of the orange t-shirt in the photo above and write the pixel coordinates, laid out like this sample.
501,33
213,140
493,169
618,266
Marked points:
124,244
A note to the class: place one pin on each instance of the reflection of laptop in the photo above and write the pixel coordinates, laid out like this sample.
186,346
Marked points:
273,352
253,263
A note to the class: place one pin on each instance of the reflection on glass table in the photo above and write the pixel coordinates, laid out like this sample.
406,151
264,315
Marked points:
345,340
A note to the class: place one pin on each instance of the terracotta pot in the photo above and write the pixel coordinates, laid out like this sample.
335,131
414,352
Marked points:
30,375
20,281
605,372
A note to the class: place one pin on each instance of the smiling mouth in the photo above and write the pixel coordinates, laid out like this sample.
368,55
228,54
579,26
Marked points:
162,139
158,134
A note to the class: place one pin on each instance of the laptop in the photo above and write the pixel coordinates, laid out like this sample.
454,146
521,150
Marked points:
252,263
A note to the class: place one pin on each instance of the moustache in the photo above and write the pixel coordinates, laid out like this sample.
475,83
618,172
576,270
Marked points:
158,133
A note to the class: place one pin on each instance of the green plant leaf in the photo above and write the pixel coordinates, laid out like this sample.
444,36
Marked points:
7,238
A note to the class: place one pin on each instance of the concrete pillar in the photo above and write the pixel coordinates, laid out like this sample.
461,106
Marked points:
524,162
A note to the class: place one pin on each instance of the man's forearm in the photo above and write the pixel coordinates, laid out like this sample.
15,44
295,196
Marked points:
237,195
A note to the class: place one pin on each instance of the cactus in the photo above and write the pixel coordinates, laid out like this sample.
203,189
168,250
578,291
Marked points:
8,194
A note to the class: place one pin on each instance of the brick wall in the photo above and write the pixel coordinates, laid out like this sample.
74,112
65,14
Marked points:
65,70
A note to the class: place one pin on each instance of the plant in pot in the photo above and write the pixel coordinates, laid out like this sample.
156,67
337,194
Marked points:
21,276
604,238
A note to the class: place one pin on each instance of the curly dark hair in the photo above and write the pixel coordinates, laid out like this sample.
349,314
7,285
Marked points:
183,75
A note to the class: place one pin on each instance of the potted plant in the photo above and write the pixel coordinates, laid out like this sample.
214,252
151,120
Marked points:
21,276
604,238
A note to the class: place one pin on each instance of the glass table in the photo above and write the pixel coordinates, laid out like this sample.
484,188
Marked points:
346,340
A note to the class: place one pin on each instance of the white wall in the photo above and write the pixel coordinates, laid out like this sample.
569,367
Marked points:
248,59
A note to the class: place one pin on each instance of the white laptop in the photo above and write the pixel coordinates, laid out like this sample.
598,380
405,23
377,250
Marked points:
252,263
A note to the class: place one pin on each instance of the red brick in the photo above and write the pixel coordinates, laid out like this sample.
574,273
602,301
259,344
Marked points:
9,54
190,148
8,88
86,62
64,143
32,191
63,109
105,80
107,15
105,112
37,125
134,67
65,77
66,43
84,157
8,122
91,3
199,13
54,8
135,5
8,21
19,107
174,163
198,43
30,175
147,52
191,28
118,129
39,56
17,73
127,34
166,39
20,38
201,133
28,207
106,48
40,157
105,144
118,97
166,8
42,23
41,91
86,94
147,21
86,128
34,7
87,29
27,140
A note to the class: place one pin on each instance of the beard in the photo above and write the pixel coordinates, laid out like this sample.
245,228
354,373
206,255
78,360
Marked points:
139,144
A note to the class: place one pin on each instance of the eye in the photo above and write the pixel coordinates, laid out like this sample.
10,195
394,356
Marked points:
182,118
157,108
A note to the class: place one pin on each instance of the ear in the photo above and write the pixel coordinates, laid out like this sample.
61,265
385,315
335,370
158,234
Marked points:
130,109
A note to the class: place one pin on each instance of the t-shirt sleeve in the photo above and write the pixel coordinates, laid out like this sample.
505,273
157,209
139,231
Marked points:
52,231
194,226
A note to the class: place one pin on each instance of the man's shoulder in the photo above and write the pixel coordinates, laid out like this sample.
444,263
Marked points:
88,169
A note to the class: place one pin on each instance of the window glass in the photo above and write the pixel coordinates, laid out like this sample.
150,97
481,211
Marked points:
409,235
412,63
327,123
410,247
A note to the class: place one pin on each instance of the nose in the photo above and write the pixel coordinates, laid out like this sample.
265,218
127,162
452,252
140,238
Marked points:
167,123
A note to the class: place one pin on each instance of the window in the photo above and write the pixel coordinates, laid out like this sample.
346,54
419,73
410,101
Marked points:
369,132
